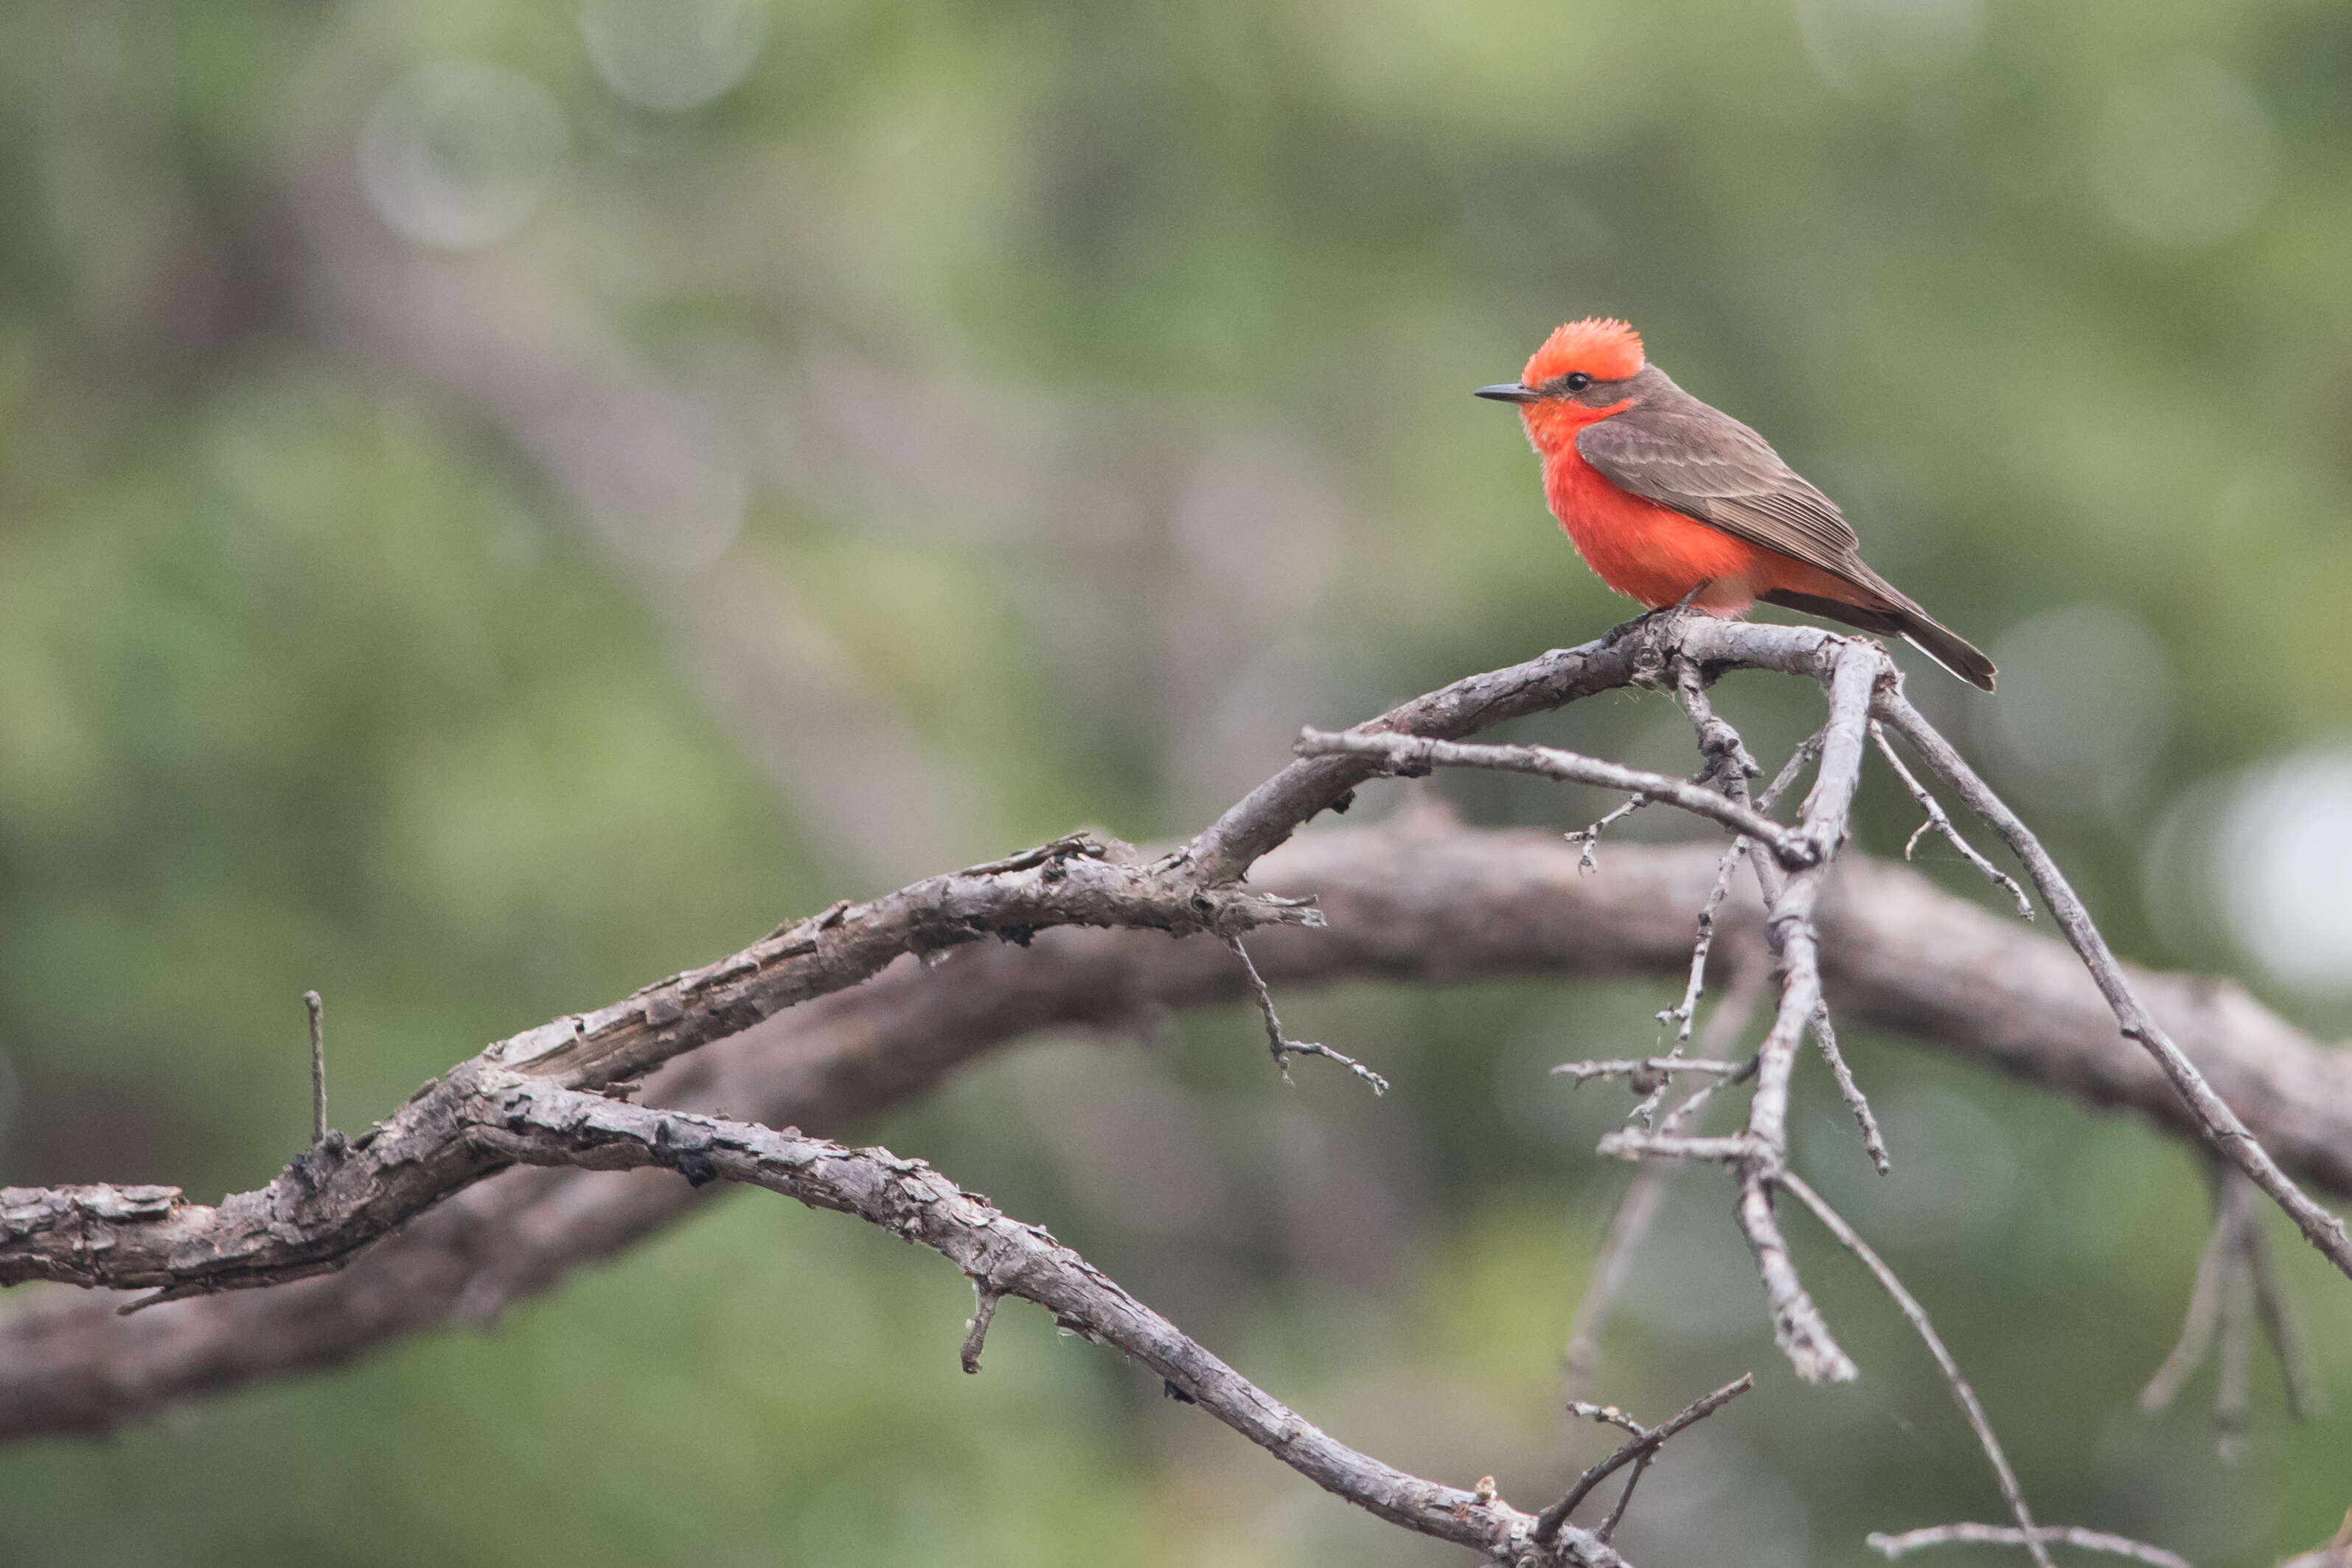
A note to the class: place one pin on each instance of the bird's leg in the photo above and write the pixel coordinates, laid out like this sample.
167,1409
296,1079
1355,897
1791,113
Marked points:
1657,614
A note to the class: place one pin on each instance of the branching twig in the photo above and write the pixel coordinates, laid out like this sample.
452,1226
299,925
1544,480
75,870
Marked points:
1639,1452
1797,1326
1962,1395
1682,1013
1646,1193
1412,756
532,1121
2221,1124
317,1008
1644,1068
1893,1546
1938,822
1588,839
1284,1048
2236,1288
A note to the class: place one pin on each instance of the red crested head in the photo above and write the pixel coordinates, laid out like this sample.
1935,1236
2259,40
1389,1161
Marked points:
1572,380
1602,346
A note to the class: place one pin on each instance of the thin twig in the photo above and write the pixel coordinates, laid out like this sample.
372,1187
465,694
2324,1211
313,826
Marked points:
1644,1196
2235,1338
1962,1395
317,1008
1873,1141
2236,1289
1588,839
1682,1013
1412,756
1646,1442
2278,1323
1893,1546
975,1332
1939,822
2221,1124
1284,1048
1642,1068
2204,1311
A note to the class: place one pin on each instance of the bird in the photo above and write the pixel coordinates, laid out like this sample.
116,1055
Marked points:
1673,501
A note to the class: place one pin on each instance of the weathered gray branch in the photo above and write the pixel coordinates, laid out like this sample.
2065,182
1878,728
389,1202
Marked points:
2218,1122
1410,755
529,1120
341,1195
1416,902
1893,1546
1963,1395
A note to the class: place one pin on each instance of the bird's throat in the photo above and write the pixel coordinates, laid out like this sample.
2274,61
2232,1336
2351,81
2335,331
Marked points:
1553,423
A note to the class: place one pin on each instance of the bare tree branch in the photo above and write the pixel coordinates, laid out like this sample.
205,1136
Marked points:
1283,1047
1962,1395
1647,1441
530,1120
1895,1546
1646,1193
1409,903
2219,1123
1411,756
341,1195
1938,822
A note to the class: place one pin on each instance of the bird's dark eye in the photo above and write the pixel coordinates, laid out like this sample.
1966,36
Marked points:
1577,380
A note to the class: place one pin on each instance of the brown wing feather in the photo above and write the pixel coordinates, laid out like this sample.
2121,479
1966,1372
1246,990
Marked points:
1673,450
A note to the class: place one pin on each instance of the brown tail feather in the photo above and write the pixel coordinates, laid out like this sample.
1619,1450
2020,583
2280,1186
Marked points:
1903,619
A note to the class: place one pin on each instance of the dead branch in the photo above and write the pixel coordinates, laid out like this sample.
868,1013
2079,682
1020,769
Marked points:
1406,904
1283,1047
1893,1546
1647,1441
2220,1124
530,1120
1939,822
341,1195
1963,1395
1646,1193
2236,1287
1409,757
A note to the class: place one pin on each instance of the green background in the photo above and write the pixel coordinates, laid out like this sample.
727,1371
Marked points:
1062,404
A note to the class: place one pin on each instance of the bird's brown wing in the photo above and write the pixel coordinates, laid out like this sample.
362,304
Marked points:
1673,450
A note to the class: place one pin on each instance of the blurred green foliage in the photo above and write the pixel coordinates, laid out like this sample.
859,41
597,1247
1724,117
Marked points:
311,673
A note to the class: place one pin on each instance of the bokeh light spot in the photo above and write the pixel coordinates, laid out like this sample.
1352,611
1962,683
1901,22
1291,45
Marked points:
458,155
2085,706
2186,157
1861,46
672,55
2284,870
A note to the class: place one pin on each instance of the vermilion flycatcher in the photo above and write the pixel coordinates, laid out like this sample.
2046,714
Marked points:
1668,499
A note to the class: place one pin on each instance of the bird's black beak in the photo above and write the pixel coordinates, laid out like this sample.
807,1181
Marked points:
1508,391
